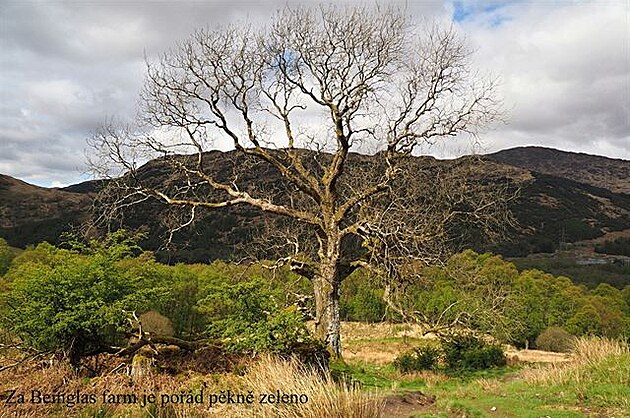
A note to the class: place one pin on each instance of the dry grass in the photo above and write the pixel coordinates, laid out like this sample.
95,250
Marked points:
361,331
374,352
536,356
325,397
380,343
266,376
588,354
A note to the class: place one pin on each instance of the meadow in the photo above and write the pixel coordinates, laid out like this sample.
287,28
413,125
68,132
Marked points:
101,329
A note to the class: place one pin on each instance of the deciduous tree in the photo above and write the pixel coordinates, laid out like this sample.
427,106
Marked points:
299,97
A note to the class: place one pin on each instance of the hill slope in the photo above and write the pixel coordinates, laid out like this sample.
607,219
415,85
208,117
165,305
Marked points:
603,172
30,214
551,208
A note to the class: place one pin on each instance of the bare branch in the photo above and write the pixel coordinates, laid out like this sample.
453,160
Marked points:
297,100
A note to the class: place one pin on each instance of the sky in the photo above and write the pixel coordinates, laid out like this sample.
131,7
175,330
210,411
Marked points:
68,66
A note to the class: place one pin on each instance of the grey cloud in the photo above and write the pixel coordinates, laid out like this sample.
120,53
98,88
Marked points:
67,66
565,69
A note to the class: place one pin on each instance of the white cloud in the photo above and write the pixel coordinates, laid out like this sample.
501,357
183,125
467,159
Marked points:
67,66
565,68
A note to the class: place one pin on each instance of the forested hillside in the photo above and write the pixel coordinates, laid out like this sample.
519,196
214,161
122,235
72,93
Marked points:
550,209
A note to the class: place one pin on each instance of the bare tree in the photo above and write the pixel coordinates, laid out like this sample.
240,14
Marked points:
297,97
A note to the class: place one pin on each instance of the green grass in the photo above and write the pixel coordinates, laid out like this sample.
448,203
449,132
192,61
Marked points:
595,388
596,385
512,399
369,376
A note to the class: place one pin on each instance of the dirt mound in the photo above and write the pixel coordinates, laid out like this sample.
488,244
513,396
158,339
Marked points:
401,405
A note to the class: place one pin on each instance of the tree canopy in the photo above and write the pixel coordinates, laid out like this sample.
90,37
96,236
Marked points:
299,96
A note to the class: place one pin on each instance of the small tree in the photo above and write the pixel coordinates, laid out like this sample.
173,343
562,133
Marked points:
297,97
60,300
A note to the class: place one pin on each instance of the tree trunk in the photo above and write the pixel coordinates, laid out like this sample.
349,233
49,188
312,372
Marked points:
327,319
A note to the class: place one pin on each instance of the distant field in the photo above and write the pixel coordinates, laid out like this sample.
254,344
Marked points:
564,263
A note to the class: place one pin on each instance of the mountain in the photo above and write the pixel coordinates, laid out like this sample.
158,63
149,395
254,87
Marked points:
603,172
30,214
564,197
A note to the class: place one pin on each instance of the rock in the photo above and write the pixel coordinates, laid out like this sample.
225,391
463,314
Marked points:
142,366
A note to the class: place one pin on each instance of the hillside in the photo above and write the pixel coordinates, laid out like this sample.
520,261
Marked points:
31,214
552,208
602,172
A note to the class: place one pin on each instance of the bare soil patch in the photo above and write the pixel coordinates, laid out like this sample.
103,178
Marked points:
402,405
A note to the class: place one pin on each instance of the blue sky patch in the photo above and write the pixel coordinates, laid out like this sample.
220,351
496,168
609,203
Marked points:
488,10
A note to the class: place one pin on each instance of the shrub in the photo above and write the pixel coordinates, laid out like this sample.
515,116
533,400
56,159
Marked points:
468,352
420,358
6,255
63,301
366,306
247,318
555,339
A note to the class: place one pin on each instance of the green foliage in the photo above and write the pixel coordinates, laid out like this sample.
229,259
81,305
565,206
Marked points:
6,255
418,359
367,306
77,299
468,352
543,301
618,246
61,300
625,293
469,283
485,293
360,299
616,274
457,352
555,339
612,296
248,317
586,321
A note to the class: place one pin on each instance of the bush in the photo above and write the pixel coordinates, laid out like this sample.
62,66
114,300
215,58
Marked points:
555,339
366,306
247,318
59,300
6,255
468,352
420,358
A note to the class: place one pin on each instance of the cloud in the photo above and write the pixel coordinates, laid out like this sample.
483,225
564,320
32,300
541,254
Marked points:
565,70
65,67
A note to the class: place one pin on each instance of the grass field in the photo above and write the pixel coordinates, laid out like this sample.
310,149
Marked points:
594,381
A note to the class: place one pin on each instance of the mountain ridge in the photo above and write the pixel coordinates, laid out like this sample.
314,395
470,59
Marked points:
553,207
610,173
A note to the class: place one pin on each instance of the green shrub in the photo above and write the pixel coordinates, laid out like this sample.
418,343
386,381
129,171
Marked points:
6,255
60,300
366,306
468,352
555,339
361,298
420,358
247,318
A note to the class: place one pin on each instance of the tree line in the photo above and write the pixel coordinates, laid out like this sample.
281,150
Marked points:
83,299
